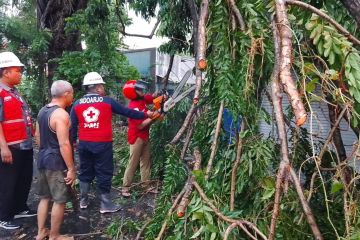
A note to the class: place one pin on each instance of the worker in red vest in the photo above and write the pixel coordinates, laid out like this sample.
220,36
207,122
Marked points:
91,118
138,134
16,130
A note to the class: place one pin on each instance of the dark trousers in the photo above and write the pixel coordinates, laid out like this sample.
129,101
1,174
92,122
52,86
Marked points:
15,183
96,160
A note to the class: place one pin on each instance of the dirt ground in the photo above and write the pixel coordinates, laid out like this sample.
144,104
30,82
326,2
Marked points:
90,223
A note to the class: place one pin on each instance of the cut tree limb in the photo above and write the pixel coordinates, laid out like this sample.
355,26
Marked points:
282,49
285,36
201,46
276,100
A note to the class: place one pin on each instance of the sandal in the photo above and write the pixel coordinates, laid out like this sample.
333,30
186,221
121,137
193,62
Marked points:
125,192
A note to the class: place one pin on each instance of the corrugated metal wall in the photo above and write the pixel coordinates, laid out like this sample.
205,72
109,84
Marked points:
317,125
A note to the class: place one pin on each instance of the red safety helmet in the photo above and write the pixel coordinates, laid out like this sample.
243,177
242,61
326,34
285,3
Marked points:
129,89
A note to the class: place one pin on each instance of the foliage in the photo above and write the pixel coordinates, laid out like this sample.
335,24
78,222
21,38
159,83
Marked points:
20,35
98,27
244,61
325,67
175,19
120,228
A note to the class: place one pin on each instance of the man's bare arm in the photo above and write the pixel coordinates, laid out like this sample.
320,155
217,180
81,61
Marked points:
37,134
60,122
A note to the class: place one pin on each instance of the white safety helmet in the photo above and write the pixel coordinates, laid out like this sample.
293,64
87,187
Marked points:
92,78
9,59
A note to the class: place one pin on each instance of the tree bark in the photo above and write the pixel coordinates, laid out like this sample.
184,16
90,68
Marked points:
167,75
353,7
285,63
52,14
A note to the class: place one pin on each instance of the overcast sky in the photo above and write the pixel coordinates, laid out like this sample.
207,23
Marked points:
140,26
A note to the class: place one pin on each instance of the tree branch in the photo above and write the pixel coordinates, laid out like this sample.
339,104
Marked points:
189,185
330,136
234,225
123,32
307,210
237,14
221,215
166,77
201,47
326,17
188,137
276,101
185,124
236,166
138,236
214,143
285,36
163,227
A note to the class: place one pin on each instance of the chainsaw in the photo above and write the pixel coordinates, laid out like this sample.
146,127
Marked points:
164,103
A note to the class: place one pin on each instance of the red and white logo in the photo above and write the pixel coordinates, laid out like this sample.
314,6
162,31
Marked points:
91,114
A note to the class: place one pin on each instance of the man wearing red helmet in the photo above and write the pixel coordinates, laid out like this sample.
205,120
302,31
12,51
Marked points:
138,134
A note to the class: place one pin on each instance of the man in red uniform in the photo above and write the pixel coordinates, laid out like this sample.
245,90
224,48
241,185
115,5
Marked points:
138,134
16,165
92,115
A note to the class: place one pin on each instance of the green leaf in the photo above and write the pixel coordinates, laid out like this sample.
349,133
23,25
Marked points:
328,43
320,47
336,186
211,228
197,216
331,58
310,25
314,32
327,52
209,217
268,183
198,232
310,86
268,194
316,39
337,49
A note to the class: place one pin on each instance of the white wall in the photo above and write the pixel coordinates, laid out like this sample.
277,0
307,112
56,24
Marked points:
180,66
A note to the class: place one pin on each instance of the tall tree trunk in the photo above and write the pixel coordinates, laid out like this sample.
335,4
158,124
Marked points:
51,15
353,6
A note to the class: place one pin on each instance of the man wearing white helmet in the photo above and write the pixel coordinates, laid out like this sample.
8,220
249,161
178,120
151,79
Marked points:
16,130
91,118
